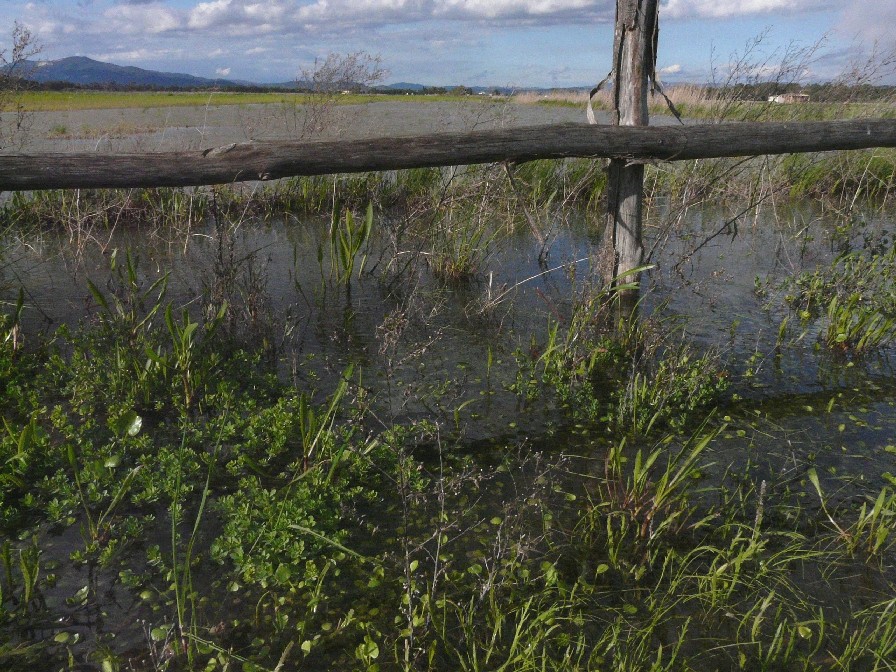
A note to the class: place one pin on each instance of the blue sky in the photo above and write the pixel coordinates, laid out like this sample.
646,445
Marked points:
445,42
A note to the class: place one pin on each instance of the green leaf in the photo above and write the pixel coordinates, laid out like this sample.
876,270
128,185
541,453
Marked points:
813,478
129,424
159,634
282,574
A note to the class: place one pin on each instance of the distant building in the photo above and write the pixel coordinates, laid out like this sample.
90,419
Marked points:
789,98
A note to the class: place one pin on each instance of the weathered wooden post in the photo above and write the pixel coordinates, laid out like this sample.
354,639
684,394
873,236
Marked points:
634,63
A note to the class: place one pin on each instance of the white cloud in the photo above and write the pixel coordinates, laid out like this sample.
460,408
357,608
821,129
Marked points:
372,12
499,8
136,55
141,19
671,69
222,72
723,9
208,14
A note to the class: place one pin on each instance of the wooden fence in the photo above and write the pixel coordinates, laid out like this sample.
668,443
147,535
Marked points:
251,161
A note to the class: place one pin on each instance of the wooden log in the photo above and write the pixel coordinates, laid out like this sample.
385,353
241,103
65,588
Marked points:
271,160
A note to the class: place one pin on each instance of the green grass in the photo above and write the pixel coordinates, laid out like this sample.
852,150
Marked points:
54,101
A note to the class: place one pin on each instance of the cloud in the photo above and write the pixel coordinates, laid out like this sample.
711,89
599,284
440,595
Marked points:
141,19
492,9
222,72
671,69
725,9
870,21
136,55
287,16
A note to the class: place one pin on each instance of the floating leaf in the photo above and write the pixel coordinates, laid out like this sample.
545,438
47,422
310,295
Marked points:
160,633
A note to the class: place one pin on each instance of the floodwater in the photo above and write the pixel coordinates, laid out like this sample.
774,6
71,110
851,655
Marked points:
410,333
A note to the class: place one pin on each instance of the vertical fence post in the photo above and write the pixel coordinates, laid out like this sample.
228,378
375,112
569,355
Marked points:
634,62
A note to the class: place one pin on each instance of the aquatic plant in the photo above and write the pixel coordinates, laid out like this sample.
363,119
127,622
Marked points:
347,239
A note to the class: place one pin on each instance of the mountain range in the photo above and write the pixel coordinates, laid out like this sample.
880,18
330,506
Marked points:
83,71
86,71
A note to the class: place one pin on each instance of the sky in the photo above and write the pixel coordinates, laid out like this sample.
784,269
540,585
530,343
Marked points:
517,43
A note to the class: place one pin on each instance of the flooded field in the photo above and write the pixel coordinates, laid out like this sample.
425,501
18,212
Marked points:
183,128
398,422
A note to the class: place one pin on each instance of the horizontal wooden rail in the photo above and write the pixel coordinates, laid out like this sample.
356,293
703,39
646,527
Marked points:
251,161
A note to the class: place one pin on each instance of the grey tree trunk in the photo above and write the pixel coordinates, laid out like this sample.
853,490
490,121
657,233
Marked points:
634,61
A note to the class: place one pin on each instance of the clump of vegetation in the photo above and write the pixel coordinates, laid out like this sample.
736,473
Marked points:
853,295
630,375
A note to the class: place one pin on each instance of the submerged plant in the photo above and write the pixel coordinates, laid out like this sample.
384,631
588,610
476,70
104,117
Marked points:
348,236
857,329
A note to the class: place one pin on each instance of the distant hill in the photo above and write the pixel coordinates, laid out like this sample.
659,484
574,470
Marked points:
402,86
86,71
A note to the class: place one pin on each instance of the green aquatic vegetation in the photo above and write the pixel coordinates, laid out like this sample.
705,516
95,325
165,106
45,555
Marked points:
854,295
871,639
20,580
844,177
652,489
420,184
856,329
677,390
872,526
541,182
347,238
632,378
461,244
867,273
319,193
88,216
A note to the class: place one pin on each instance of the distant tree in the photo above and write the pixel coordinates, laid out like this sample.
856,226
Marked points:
14,69
328,78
